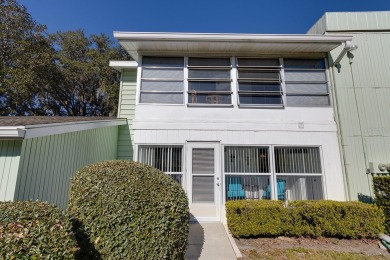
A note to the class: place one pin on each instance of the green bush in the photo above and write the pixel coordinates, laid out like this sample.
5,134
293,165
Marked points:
304,218
35,230
130,211
382,197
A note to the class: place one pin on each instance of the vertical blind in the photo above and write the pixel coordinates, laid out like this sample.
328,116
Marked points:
297,160
165,158
246,159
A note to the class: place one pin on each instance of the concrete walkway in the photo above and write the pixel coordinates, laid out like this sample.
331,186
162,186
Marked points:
209,241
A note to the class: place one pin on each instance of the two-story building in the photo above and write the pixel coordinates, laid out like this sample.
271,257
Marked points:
232,116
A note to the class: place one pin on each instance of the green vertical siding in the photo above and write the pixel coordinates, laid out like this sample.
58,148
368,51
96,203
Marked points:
48,163
127,110
9,163
362,89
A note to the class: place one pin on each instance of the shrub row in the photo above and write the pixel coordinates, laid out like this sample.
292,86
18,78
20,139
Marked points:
382,197
129,210
304,218
35,230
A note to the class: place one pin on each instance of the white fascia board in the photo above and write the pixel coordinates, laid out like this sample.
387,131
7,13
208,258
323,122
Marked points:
12,132
33,131
120,64
214,37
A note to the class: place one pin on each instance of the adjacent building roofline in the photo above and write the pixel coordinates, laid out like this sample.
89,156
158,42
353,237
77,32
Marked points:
119,65
39,130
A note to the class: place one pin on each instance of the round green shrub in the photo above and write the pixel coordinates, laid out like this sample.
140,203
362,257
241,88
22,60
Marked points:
129,210
35,230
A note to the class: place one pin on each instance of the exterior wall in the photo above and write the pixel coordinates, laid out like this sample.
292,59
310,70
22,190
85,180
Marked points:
361,87
126,110
234,126
9,163
352,21
48,163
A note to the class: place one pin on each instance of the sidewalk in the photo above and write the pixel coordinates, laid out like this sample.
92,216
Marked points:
209,241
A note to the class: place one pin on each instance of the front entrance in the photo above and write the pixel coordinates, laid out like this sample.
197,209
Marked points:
203,181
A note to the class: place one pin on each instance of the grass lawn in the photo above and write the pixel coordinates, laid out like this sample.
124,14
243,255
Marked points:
303,253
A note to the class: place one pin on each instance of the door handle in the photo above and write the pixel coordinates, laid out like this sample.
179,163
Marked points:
218,184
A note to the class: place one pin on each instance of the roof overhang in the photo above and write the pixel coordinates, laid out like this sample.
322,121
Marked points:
32,131
120,64
141,43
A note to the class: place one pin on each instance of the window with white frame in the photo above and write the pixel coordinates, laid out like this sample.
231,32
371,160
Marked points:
298,170
247,172
165,158
162,80
295,175
306,82
209,81
259,82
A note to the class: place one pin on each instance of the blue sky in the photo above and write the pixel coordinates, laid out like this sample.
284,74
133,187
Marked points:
245,16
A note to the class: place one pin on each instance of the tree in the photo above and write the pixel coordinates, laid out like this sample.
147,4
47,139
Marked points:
87,85
66,73
26,61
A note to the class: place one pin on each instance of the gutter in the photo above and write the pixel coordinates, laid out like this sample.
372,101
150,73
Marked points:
12,132
222,37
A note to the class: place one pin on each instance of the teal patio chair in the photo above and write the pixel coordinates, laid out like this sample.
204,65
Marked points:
281,192
234,188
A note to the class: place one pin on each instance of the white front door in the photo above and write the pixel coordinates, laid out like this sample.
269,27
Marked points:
203,177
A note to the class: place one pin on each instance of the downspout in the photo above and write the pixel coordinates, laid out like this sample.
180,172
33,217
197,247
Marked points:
347,48
340,136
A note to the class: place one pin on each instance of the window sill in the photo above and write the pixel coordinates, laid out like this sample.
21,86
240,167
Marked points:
209,105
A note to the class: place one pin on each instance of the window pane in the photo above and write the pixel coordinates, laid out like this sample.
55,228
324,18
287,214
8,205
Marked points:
202,188
306,88
246,99
246,159
310,101
208,86
164,158
208,74
161,98
297,160
202,161
209,61
247,187
177,177
196,98
300,188
257,86
147,85
299,75
258,74
163,61
304,63
162,73
250,62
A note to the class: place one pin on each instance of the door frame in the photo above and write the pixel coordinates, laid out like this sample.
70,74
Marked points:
218,178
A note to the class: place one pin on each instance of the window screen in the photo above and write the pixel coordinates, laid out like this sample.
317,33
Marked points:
209,81
162,80
306,82
259,82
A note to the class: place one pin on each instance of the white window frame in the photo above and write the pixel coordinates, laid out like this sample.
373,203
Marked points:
188,79
272,168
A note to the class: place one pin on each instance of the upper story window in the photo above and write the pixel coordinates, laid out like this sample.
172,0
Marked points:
209,81
162,80
259,82
306,82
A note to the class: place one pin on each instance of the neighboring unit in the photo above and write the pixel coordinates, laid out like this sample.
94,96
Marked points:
232,116
39,155
362,87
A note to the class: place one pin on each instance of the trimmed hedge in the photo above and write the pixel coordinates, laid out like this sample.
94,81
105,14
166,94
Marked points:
304,218
382,197
35,230
130,210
